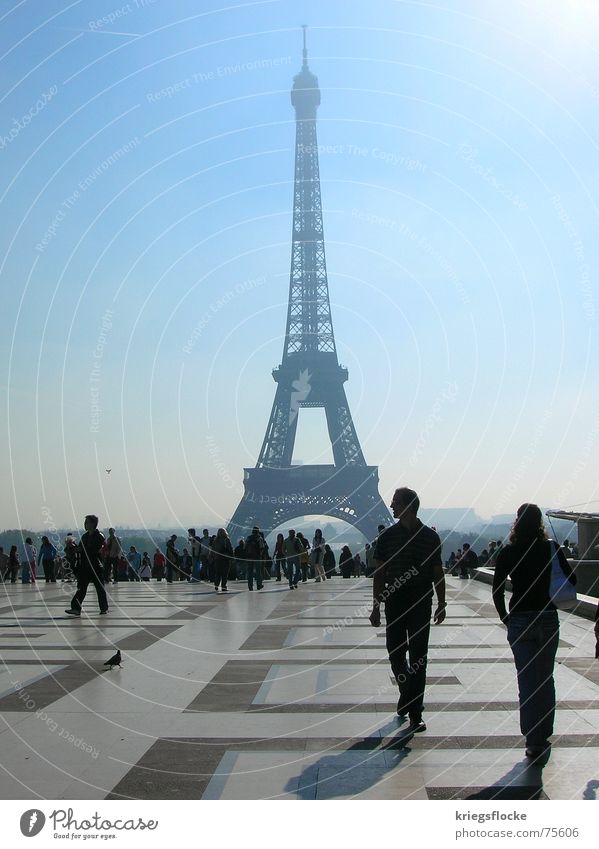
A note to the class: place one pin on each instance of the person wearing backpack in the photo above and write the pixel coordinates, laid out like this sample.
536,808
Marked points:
254,550
292,549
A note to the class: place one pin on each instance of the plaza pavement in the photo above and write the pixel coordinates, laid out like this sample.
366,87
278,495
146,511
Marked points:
273,695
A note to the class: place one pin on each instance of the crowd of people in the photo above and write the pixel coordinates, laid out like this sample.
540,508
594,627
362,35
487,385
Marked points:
405,563
212,559
209,558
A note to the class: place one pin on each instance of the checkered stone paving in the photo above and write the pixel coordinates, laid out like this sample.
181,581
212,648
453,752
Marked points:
273,695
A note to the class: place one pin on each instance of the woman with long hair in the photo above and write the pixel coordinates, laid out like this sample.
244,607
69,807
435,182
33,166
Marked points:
279,556
532,623
317,556
222,551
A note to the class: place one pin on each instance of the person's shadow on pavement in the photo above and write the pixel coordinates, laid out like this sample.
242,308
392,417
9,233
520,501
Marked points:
524,781
351,771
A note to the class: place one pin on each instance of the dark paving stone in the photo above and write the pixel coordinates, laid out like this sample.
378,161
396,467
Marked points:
267,637
171,770
147,637
54,686
182,768
587,667
516,793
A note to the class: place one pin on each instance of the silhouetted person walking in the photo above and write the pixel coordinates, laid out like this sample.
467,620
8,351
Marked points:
292,548
254,550
90,567
533,623
223,552
113,552
407,565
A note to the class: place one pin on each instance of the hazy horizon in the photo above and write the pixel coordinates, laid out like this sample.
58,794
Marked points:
145,245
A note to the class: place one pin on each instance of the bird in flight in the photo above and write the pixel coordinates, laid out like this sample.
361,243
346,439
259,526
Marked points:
115,660
108,471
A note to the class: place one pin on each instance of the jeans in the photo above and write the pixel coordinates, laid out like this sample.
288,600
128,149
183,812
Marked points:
279,562
533,637
254,567
293,570
408,618
196,572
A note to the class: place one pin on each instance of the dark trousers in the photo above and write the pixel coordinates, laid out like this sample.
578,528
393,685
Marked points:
408,618
48,567
84,579
222,573
533,637
254,568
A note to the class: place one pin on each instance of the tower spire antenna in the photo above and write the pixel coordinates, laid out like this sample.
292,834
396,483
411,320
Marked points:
305,50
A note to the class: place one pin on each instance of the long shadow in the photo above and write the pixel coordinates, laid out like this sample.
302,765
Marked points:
351,771
523,782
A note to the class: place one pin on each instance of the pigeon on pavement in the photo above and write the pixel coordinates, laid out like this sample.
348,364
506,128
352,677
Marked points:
115,660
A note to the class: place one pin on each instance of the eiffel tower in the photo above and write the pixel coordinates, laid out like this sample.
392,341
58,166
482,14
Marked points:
310,375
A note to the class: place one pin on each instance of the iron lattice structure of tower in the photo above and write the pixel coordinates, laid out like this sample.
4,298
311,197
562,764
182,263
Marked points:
310,374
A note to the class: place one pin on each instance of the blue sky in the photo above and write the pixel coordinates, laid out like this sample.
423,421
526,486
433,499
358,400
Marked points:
146,187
